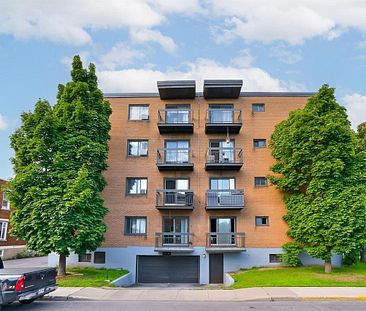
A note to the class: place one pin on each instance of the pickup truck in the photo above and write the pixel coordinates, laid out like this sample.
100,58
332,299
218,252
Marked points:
26,284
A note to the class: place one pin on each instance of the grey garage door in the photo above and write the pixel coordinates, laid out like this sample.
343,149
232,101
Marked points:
168,269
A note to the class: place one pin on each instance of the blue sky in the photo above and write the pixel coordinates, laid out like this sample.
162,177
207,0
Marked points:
273,45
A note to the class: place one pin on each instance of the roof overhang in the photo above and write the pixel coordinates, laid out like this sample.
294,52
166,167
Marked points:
217,89
177,89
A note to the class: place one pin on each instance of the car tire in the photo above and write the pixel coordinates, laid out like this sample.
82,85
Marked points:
26,302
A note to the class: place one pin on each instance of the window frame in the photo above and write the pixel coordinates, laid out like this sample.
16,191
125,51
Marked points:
262,225
221,178
87,255
104,257
7,201
137,178
257,140
127,221
140,115
278,258
258,105
3,236
139,141
260,178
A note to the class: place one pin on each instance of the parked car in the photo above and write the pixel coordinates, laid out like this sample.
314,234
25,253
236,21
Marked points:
25,284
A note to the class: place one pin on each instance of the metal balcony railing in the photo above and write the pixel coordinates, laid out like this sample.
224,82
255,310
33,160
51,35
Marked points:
173,239
223,116
174,198
173,156
224,155
175,116
230,199
225,240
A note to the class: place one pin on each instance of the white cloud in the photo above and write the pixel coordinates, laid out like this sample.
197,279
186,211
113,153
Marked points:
84,56
286,20
144,80
356,108
3,123
148,35
285,54
120,55
244,59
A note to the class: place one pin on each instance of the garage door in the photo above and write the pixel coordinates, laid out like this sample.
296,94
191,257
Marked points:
168,269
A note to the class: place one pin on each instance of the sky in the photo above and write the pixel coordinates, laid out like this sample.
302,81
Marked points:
272,45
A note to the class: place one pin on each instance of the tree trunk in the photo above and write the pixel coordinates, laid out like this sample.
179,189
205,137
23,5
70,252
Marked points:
328,266
363,255
62,265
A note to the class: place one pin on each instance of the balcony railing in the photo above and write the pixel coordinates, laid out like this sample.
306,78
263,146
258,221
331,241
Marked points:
174,159
224,199
232,241
223,121
173,239
228,158
175,121
174,199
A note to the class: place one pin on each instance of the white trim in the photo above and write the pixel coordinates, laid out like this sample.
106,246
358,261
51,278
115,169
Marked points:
4,226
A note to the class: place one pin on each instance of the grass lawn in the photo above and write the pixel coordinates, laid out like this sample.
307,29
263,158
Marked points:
301,276
88,277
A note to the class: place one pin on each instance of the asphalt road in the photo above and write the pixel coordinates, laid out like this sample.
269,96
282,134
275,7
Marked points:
191,306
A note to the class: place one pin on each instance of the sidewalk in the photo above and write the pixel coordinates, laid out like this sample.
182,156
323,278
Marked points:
245,294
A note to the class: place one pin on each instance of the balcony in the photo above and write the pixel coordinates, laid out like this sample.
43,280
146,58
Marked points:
223,121
216,89
171,121
173,159
225,242
173,242
170,199
224,158
177,89
224,199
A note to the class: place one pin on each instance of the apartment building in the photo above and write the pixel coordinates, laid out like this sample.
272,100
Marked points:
187,192
9,246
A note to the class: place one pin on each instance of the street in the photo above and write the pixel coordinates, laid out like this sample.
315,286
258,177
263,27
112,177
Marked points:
194,306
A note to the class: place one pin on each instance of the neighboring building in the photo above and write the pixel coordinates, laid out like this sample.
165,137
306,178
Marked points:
186,190
9,246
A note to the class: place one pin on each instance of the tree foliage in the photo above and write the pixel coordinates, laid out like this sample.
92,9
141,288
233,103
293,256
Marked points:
60,154
320,172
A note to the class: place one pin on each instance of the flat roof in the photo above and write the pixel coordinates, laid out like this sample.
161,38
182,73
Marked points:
200,94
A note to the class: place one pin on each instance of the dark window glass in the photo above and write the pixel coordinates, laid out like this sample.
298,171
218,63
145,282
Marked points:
136,186
99,257
135,225
260,181
85,258
275,258
261,221
259,143
258,107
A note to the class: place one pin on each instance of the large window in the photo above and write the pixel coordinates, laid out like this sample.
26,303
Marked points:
135,226
177,113
177,151
137,148
136,186
3,229
259,143
5,203
139,112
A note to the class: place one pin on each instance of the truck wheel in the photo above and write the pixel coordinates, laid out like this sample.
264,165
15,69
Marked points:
26,302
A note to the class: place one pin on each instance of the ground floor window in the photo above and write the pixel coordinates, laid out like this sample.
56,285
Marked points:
3,229
99,257
275,258
85,258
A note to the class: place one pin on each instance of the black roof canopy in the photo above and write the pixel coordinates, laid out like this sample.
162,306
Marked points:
213,89
177,89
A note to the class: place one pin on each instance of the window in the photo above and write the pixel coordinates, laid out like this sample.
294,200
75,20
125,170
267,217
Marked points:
222,183
177,113
3,229
260,181
177,151
222,113
136,186
259,143
135,225
275,258
137,148
258,107
139,112
6,203
1,252
85,258
261,220
99,257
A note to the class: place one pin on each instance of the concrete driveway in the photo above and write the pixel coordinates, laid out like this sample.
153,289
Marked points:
26,262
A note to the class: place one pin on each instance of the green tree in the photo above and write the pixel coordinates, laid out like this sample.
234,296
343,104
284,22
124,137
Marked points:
60,154
317,169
